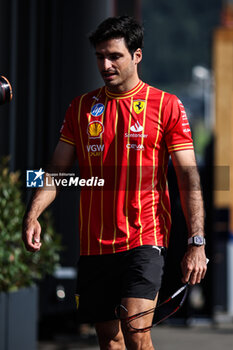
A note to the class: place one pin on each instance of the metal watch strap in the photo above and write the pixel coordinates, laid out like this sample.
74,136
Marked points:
197,240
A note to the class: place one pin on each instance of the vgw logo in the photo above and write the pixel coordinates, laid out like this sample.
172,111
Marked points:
35,178
95,150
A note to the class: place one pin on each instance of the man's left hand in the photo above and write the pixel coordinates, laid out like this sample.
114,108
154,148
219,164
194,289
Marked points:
194,265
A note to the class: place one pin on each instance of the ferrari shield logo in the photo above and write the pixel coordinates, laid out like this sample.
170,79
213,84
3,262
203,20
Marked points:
138,106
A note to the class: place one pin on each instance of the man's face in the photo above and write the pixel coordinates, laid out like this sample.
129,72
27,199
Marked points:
116,65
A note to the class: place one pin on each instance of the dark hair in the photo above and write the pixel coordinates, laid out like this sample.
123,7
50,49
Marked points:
119,27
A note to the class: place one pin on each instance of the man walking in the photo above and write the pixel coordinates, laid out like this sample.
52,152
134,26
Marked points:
125,132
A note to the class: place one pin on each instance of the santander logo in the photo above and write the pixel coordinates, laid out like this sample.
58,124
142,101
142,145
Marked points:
136,127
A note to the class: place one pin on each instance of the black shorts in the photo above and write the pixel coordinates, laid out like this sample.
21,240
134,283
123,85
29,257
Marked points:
103,280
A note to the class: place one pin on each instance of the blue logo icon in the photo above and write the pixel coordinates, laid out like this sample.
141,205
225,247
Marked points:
35,178
97,109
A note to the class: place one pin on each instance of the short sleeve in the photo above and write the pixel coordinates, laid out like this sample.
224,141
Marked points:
67,129
176,126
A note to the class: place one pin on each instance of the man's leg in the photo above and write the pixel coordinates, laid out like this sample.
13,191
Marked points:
110,335
137,340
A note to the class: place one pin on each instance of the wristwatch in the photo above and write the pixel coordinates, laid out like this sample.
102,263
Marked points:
197,241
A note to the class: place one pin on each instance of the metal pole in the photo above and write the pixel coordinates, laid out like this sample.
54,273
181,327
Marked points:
13,79
32,84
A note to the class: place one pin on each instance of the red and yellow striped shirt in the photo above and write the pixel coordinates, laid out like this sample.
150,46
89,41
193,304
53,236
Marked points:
125,139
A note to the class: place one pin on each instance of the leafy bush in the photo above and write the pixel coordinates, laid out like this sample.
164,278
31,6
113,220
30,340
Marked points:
18,267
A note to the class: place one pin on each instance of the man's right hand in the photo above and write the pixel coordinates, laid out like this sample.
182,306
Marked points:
31,234
63,159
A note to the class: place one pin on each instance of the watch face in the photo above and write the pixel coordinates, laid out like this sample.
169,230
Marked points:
198,240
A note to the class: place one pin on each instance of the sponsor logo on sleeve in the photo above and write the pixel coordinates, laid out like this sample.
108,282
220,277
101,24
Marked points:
185,124
62,127
183,113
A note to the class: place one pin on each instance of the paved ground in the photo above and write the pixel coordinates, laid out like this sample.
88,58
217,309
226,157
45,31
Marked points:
196,337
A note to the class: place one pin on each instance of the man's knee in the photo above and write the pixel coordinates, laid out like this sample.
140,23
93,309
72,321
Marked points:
137,340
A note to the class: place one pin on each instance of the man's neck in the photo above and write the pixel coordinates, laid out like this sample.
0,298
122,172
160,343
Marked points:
123,87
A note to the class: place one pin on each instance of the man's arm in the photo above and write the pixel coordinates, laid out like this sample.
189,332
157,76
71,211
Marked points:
63,158
194,261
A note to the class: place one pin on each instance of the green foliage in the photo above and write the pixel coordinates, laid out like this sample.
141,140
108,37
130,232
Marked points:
201,138
18,267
